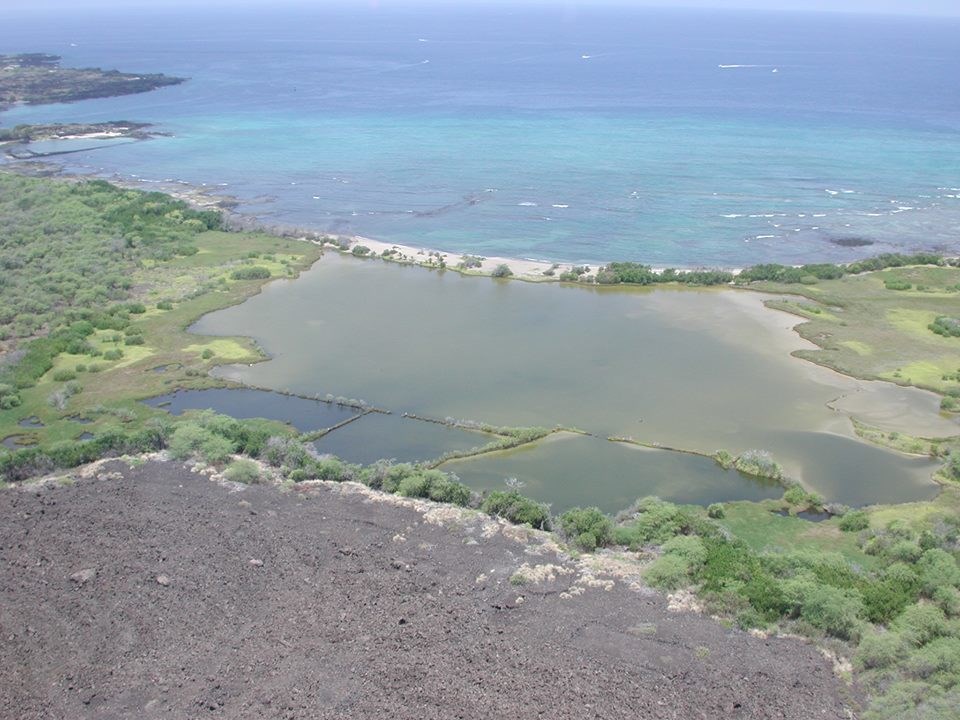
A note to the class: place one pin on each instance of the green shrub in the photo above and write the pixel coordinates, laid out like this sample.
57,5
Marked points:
896,284
948,600
937,568
716,511
515,508
9,397
885,598
391,477
192,440
64,375
434,485
946,326
589,528
164,305
921,623
652,520
285,452
114,354
669,572
940,659
689,547
880,650
254,272
332,469
724,459
759,463
501,271
207,354
796,496
360,250
903,551
134,340
831,609
446,489
243,471
855,521
468,262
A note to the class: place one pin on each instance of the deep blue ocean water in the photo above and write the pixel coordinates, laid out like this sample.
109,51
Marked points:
674,137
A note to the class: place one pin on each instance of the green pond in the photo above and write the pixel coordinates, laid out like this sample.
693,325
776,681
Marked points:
685,368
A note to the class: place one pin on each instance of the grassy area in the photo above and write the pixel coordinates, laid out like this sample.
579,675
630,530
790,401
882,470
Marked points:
866,328
762,528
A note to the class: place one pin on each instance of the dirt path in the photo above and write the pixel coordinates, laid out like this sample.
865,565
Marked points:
155,592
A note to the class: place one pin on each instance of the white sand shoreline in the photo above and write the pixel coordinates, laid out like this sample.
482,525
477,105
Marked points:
529,269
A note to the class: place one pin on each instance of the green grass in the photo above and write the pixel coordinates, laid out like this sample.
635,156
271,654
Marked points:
764,530
865,330
223,349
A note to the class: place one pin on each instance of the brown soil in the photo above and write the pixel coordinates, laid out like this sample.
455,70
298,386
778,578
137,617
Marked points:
156,592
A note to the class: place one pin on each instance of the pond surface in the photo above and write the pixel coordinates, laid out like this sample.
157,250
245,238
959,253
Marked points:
566,469
303,414
391,437
695,369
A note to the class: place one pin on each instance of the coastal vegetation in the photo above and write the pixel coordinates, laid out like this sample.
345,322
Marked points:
867,330
100,285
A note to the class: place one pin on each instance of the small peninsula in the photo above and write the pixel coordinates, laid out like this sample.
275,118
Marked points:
38,79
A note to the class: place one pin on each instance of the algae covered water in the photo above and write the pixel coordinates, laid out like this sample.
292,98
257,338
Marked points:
557,131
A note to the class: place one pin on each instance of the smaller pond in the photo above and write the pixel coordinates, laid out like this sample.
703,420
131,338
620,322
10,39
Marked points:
31,422
303,414
567,470
808,515
17,442
392,437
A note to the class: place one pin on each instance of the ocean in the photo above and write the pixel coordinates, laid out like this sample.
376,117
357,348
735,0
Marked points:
558,131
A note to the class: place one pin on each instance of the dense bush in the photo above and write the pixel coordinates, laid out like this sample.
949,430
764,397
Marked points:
9,397
254,272
715,511
669,572
799,498
587,527
855,521
243,471
190,440
434,485
502,271
946,326
33,462
515,508
652,520
468,262
759,463
638,274
72,246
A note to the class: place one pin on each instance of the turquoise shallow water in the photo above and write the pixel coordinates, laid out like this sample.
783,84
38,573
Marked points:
662,136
